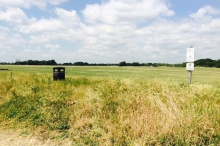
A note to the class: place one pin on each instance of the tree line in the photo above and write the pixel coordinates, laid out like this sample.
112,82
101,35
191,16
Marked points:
36,62
89,64
198,63
208,63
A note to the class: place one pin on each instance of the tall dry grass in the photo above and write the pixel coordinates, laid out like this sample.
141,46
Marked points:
112,111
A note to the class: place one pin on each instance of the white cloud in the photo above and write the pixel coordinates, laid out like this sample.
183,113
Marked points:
205,14
111,33
42,3
215,24
43,25
161,41
29,3
14,3
2,53
124,11
52,46
9,40
15,16
38,39
65,26
68,17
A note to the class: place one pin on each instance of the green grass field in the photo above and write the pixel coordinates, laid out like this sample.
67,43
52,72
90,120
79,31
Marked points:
113,105
200,75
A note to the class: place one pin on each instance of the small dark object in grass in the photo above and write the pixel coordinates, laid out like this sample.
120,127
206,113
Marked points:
3,69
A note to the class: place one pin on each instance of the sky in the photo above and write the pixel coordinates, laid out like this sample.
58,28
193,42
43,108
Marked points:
109,31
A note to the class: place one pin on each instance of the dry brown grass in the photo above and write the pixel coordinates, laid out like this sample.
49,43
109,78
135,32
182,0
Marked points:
112,111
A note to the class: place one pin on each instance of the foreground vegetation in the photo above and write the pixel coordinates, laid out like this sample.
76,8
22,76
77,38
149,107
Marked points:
111,111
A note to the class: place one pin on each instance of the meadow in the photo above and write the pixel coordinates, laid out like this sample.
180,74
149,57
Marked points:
113,105
200,75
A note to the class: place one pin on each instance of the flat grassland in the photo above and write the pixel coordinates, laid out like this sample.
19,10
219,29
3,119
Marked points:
200,75
113,105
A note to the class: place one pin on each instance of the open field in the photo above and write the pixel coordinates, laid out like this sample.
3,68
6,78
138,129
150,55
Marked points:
112,105
200,75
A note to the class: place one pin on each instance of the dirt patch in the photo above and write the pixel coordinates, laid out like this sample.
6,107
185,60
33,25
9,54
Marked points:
17,138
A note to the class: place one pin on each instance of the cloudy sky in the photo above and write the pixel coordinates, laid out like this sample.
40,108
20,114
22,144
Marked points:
109,31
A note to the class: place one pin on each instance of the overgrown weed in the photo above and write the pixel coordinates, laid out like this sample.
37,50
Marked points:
113,111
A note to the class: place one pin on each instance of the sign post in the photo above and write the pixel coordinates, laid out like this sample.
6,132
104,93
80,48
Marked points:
190,77
190,62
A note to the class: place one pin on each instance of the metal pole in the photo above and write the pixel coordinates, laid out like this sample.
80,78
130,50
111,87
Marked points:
190,77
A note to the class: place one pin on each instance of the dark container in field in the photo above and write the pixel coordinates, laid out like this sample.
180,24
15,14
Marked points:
58,73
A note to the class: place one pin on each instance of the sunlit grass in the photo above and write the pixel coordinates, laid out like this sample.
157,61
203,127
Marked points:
200,74
112,110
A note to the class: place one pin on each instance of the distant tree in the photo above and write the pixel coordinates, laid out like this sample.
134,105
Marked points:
16,63
35,62
148,64
51,62
93,64
128,64
154,65
43,62
135,64
81,63
206,62
67,63
30,62
122,63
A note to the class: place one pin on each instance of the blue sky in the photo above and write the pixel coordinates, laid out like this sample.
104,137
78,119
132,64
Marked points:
109,31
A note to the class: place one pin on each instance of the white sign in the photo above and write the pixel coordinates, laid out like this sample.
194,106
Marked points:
190,55
189,66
